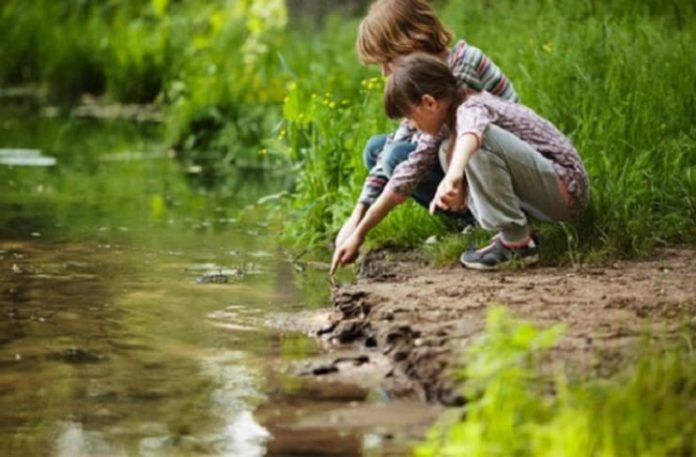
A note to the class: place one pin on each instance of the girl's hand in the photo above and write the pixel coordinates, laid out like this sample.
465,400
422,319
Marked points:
346,252
450,194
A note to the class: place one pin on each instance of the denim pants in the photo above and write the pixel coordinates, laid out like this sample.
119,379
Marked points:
395,153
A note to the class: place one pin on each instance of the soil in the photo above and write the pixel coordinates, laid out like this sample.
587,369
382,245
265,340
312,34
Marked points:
404,325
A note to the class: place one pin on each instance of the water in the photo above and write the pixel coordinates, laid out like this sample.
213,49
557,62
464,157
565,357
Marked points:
113,339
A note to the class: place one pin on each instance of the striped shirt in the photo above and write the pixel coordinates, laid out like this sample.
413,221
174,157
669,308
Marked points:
474,70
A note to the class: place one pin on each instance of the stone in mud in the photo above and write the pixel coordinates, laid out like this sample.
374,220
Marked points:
350,331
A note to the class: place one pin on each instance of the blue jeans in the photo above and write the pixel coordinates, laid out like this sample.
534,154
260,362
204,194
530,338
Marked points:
395,153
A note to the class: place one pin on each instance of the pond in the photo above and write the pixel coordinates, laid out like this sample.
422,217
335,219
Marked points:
134,306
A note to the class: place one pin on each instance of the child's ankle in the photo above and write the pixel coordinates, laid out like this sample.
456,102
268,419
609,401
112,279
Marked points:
517,242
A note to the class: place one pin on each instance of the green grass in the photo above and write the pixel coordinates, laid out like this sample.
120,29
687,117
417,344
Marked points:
514,409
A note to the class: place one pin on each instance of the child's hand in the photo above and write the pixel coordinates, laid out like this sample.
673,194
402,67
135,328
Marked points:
449,194
346,253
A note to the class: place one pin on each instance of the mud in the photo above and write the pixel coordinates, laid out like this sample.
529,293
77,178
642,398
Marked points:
404,325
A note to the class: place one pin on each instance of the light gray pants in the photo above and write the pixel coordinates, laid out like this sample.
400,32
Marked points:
508,181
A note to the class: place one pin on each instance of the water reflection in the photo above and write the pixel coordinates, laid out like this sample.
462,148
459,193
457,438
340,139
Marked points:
239,387
133,309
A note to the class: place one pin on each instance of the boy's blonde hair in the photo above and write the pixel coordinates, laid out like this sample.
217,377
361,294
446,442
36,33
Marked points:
394,28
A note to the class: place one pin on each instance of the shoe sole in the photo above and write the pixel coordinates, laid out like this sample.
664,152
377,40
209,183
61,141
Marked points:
526,261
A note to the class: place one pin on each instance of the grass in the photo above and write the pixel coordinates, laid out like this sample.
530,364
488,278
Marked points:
514,409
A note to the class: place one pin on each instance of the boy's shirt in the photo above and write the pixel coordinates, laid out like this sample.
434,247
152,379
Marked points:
473,69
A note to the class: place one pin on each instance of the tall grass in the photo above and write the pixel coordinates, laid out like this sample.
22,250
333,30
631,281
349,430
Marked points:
615,76
514,409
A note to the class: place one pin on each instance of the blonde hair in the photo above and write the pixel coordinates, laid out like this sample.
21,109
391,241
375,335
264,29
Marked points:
394,28
417,75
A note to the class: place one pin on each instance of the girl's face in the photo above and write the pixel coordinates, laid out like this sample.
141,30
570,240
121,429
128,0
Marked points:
429,115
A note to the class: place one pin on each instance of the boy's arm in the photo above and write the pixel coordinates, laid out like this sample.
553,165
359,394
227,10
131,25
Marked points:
347,251
351,223
402,182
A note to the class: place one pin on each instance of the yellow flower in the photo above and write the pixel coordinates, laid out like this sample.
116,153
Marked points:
547,48
263,152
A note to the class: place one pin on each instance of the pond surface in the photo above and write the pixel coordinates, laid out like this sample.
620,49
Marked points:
133,306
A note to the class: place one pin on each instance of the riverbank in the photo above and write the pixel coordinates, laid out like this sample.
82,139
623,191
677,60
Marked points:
404,325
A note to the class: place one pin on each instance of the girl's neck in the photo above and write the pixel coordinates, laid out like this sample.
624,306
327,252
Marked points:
451,119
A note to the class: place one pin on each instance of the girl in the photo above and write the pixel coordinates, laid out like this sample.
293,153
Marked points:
510,162
392,29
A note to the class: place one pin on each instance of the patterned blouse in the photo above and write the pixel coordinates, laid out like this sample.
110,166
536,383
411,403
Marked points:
474,70
474,116
481,110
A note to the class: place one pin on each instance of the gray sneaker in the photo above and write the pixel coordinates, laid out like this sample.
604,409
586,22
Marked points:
497,255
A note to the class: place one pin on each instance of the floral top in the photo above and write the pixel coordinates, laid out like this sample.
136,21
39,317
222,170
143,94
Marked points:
473,117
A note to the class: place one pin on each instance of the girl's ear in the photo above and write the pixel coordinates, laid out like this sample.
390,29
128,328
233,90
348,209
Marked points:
429,102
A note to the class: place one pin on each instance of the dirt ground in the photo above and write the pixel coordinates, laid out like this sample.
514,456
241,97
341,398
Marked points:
404,325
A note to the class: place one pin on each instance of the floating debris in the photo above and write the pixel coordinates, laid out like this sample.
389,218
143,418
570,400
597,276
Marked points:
25,158
140,113
76,356
213,278
130,156
220,276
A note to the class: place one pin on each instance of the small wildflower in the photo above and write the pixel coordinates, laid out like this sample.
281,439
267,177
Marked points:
282,134
332,105
547,48
263,152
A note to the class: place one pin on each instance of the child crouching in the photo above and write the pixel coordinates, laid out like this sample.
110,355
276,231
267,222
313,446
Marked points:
511,162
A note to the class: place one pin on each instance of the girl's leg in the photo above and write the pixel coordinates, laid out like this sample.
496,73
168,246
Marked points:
509,180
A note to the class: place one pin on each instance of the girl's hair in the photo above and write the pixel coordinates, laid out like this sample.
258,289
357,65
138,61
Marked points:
416,75
394,28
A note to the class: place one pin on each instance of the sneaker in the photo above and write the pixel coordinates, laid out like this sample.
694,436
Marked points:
497,255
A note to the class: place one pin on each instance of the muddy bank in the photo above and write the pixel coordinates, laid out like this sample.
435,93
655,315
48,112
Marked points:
404,325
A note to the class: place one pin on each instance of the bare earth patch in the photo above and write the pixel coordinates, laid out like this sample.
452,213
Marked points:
408,324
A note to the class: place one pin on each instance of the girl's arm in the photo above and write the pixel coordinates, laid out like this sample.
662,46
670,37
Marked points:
465,146
347,251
